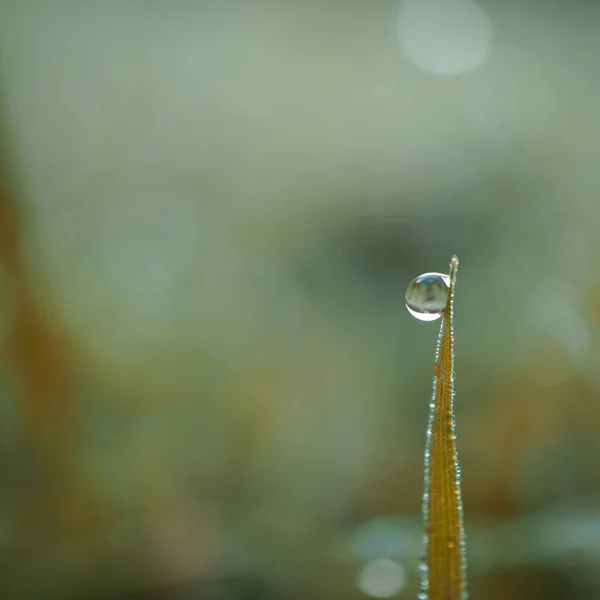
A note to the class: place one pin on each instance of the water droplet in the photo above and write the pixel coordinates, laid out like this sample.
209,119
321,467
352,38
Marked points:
427,295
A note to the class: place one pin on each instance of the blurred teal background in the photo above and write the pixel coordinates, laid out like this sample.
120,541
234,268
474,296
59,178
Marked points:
210,386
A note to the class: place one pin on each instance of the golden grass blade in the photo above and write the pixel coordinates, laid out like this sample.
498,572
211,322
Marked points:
444,563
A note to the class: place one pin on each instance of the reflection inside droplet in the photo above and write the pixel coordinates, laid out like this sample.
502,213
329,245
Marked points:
427,295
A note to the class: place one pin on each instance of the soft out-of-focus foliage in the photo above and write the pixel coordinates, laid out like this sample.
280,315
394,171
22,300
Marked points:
209,384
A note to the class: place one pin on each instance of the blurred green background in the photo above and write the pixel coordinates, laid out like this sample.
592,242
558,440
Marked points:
209,384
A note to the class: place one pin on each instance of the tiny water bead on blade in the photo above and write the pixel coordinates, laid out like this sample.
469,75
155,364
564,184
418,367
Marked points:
427,295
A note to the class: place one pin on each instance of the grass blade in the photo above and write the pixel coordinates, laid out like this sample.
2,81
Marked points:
444,562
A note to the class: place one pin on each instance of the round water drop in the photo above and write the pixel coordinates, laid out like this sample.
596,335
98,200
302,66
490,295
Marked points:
427,295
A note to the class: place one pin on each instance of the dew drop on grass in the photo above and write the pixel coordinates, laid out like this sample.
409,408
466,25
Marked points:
427,295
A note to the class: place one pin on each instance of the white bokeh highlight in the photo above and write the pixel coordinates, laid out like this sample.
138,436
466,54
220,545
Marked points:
381,578
444,37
